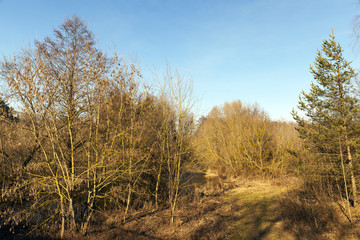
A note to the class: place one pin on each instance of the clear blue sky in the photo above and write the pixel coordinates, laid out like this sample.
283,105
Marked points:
252,50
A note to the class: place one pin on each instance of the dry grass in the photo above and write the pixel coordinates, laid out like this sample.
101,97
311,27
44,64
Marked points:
307,218
252,209
249,210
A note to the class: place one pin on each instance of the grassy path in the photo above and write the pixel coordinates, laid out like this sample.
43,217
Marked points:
248,211
258,216
252,210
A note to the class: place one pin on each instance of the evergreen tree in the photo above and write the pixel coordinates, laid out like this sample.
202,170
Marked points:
6,111
330,108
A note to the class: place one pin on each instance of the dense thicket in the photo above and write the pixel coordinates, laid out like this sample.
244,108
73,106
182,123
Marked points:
90,137
241,139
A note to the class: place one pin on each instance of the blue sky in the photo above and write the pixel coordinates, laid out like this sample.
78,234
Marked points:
257,51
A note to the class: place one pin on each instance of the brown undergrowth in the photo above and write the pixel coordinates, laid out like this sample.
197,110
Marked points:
242,209
311,214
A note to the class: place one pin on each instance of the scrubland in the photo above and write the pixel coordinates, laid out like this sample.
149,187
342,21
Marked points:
90,150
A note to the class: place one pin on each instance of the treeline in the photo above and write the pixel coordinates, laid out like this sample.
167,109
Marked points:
240,139
89,136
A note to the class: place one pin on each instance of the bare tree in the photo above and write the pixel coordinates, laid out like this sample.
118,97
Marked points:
66,87
178,125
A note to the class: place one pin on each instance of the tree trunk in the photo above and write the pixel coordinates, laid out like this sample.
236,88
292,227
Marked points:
127,202
352,176
344,176
72,215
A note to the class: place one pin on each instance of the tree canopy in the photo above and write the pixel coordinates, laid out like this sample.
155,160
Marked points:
330,125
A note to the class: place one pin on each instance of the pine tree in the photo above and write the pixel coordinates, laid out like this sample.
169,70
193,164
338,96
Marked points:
330,108
6,111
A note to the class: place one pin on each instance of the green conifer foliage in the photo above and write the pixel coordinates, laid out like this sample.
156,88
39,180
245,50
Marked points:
6,111
330,109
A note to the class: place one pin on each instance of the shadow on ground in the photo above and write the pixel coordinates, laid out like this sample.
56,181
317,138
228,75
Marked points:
258,219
